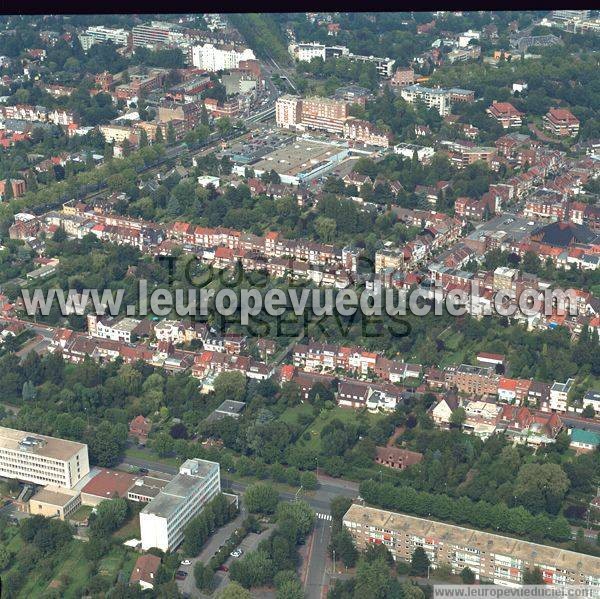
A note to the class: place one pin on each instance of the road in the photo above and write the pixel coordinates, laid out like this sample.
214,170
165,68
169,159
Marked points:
316,573
319,499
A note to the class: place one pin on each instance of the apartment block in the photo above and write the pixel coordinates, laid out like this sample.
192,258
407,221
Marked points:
42,460
219,58
561,122
475,380
288,111
431,97
163,520
506,114
493,558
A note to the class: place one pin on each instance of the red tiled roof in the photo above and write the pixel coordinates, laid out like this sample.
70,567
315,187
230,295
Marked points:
109,483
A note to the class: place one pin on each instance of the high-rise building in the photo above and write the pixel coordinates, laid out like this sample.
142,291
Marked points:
491,557
288,110
42,460
431,97
219,58
324,114
149,35
164,519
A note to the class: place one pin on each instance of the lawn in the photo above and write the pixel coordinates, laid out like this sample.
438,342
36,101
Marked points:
118,559
81,514
148,454
290,416
129,530
346,415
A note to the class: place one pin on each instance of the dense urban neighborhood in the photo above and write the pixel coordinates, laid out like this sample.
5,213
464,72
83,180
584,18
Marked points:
445,164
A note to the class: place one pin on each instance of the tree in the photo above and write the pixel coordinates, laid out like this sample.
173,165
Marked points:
5,557
467,575
230,385
308,480
235,591
540,487
107,443
588,411
419,562
290,589
163,445
300,513
261,498
343,545
170,133
534,576
458,417
143,138
158,138
372,579
204,576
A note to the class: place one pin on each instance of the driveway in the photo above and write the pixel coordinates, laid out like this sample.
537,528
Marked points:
188,585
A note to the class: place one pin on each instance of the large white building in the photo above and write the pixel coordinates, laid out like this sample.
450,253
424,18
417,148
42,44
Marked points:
288,111
42,460
431,97
306,51
219,58
95,35
164,519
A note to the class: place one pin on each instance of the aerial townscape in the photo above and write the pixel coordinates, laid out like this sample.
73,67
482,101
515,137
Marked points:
448,156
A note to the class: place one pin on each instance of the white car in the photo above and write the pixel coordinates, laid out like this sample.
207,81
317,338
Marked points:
186,562
236,553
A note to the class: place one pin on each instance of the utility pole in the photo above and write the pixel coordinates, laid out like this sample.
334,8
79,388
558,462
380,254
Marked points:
334,561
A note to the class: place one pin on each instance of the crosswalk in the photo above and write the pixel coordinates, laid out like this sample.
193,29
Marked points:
326,517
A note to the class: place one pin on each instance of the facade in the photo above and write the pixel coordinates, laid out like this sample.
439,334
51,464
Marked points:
95,35
145,571
431,97
494,558
163,520
475,380
366,132
403,76
288,111
506,114
42,460
219,58
559,394
54,502
561,122
149,35
324,114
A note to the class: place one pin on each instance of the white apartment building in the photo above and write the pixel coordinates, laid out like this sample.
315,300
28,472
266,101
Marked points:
116,330
170,331
592,398
432,98
42,460
288,111
164,519
559,394
95,35
306,51
219,58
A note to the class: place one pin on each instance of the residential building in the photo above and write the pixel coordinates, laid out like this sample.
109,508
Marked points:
219,58
98,34
149,35
145,571
592,398
584,441
559,395
366,132
306,51
432,97
561,122
140,427
397,458
288,111
475,380
506,114
494,558
403,76
163,520
324,114
42,460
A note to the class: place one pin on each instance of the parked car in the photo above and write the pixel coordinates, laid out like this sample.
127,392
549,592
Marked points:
223,568
236,553
144,471
180,575
186,562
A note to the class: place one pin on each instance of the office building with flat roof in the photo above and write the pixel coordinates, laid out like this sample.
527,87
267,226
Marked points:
493,558
163,520
42,460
